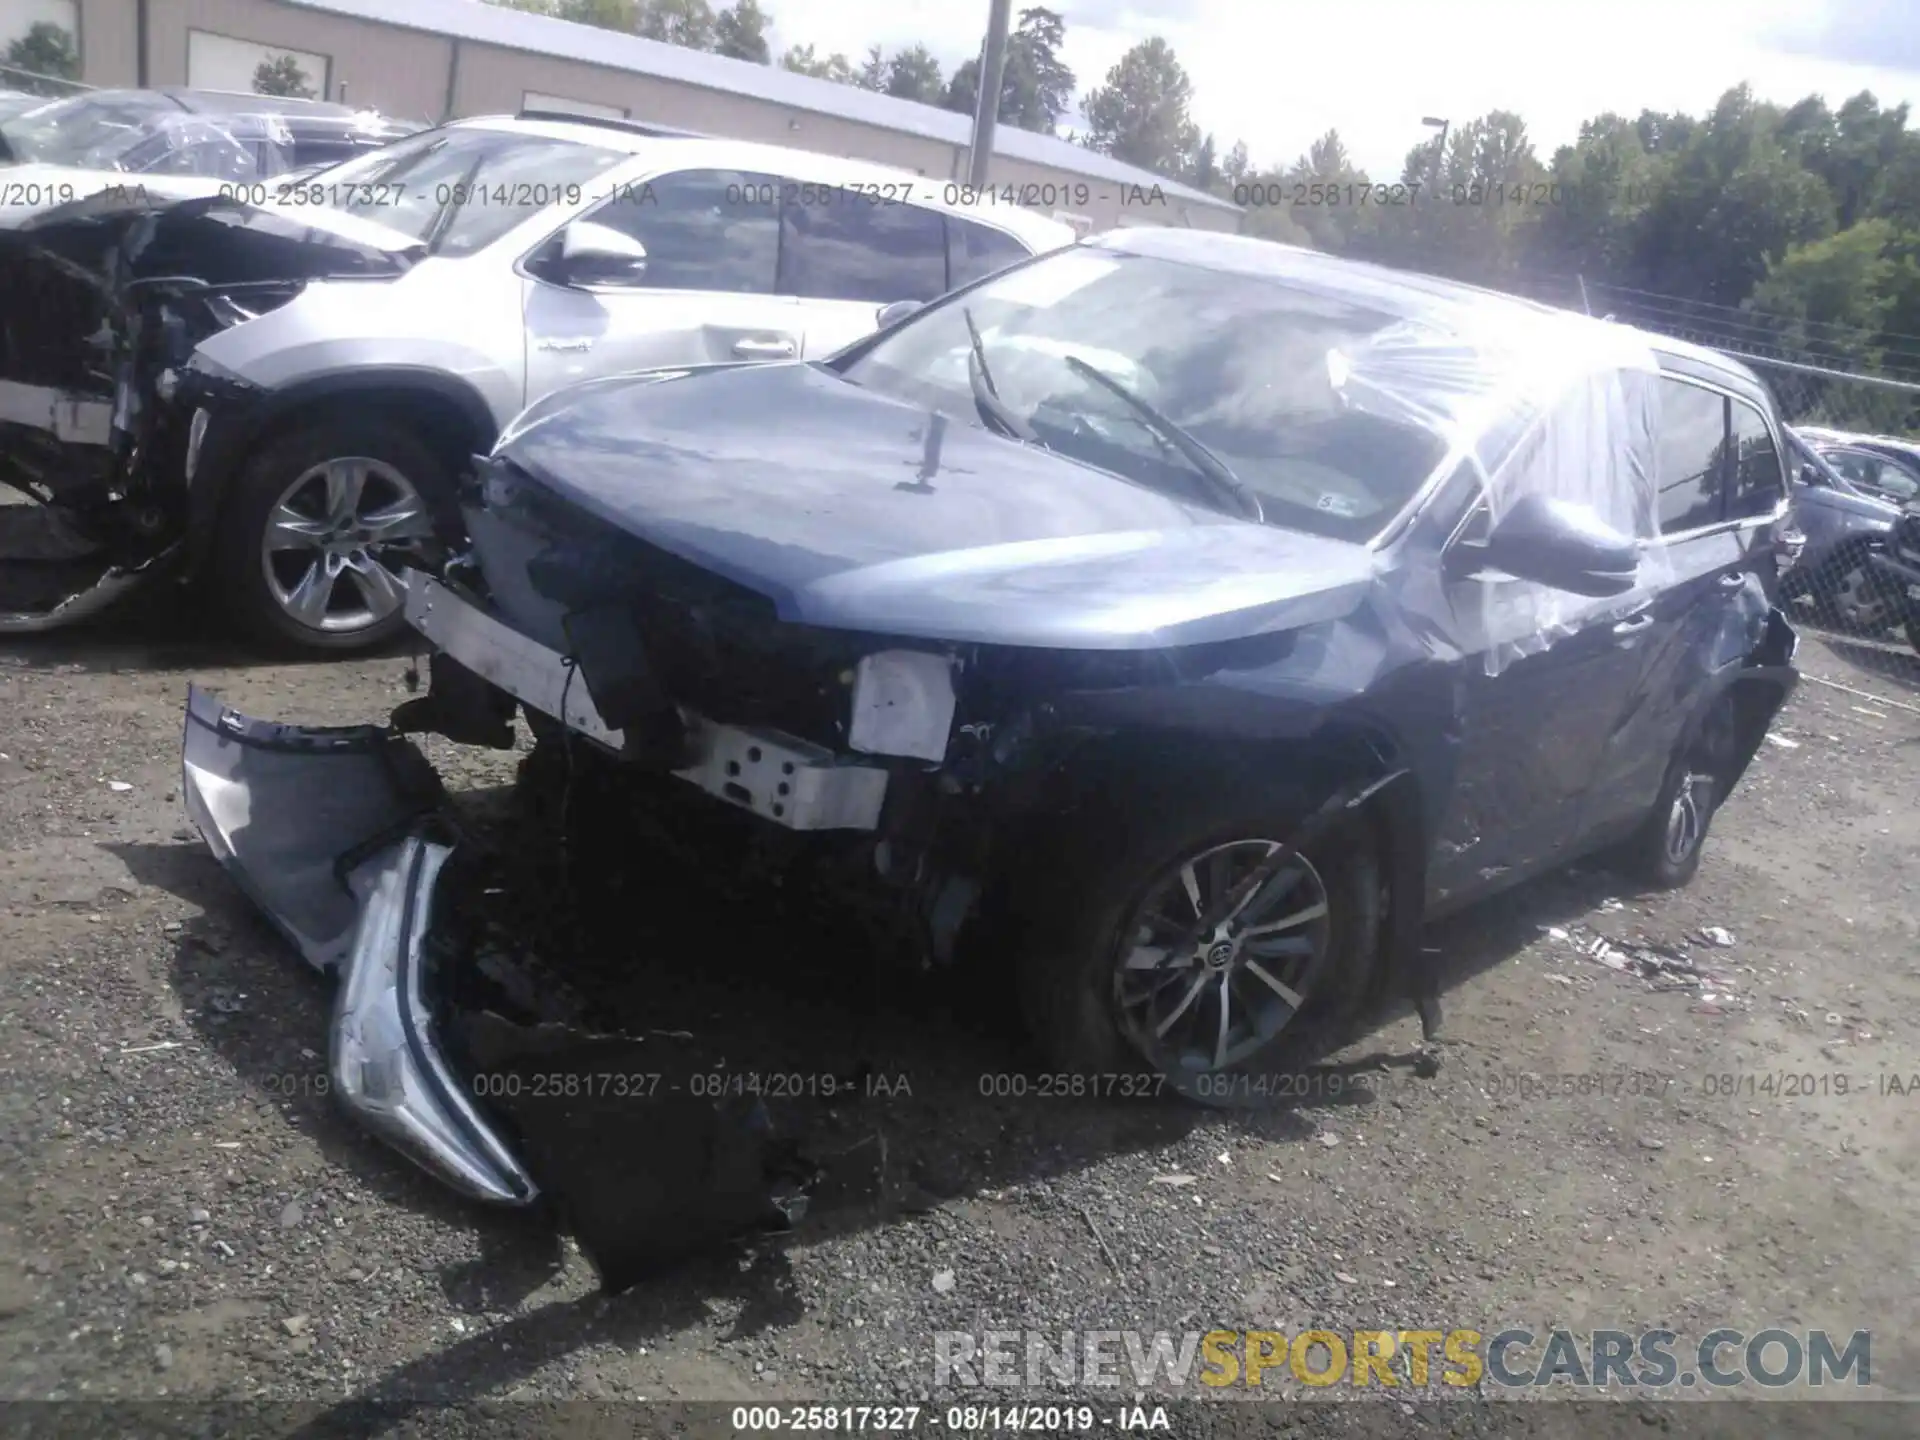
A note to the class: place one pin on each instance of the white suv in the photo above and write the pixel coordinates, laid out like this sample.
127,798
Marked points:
356,336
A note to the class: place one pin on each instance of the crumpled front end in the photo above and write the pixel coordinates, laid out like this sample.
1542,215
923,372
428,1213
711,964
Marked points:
103,304
335,833
345,839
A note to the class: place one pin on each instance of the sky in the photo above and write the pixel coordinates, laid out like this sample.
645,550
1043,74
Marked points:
1279,73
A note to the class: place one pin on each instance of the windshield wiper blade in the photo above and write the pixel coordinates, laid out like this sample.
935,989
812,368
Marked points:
986,396
1211,466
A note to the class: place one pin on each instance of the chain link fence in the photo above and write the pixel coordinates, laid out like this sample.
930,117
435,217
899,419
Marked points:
1854,399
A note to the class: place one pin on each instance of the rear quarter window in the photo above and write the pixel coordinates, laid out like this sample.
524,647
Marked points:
974,250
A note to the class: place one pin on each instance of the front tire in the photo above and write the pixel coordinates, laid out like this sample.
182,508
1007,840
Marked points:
310,537
1105,994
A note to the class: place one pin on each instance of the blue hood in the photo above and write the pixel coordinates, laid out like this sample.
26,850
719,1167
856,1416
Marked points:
854,511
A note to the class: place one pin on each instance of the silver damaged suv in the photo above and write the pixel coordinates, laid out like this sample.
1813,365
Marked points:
276,387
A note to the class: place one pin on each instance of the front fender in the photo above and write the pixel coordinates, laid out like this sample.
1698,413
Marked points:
240,414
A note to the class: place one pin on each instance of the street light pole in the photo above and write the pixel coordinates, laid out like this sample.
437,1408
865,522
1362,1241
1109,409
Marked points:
986,109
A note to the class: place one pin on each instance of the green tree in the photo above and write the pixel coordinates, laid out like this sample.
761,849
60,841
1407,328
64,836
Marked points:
1472,205
605,14
802,61
1140,114
1203,166
1844,282
47,53
1036,87
1335,210
914,74
872,74
686,23
740,32
1733,198
282,75
1599,192
1236,167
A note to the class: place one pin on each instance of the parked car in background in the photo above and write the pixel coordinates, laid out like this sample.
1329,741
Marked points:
1875,465
1397,593
13,102
1841,523
1897,559
217,134
323,364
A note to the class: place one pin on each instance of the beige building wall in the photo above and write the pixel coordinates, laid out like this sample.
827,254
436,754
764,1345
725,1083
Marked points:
420,76
492,80
402,72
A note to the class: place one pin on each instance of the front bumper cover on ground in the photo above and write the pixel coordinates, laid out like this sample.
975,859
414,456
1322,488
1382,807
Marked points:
334,832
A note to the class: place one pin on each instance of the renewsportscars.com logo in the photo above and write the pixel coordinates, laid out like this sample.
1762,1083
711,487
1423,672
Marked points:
1455,1358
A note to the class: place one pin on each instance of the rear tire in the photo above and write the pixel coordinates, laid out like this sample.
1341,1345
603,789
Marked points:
404,493
1666,850
1075,976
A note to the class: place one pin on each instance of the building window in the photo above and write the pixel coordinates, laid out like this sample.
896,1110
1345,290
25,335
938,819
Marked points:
534,100
220,62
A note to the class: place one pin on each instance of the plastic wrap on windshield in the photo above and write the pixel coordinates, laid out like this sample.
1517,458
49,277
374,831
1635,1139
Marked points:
1526,402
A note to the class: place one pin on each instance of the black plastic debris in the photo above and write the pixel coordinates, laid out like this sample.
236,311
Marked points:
650,1151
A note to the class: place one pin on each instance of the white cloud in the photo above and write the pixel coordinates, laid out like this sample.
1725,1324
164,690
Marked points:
1278,73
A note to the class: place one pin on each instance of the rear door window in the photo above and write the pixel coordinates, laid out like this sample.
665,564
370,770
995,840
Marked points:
974,250
837,245
1759,481
1692,463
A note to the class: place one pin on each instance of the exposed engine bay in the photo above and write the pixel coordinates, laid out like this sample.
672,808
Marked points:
105,407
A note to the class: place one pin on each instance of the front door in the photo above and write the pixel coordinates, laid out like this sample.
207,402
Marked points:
1534,707
706,294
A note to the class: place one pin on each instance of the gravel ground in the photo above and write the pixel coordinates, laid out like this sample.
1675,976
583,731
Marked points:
183,1214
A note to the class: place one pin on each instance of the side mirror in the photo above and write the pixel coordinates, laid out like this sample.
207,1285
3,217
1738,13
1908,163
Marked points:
593,254
896,312
1563,545
1810,475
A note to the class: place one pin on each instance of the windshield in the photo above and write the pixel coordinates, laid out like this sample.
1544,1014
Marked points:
92,132
460,188
1254,369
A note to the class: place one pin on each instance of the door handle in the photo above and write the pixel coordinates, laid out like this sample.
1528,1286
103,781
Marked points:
1735,581
1633,626
764,349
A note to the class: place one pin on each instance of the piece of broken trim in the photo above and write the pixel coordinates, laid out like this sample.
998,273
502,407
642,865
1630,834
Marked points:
385,1064
105,592
326,830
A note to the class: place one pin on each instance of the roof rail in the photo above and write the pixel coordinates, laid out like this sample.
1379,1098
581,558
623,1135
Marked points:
632,127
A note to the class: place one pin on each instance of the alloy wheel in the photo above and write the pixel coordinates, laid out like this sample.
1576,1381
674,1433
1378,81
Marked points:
1858,602
1194,1003
1687,819
327,548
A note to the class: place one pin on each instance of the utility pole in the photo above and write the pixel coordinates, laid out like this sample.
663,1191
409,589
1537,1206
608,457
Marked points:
986,110
1439,144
